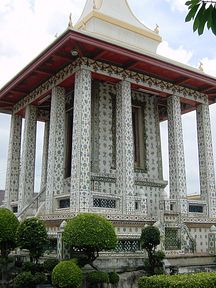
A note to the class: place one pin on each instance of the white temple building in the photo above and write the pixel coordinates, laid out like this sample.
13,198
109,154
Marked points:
102,91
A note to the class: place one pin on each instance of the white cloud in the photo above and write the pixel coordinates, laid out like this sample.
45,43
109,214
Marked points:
25,30
180,54
178,5
209,66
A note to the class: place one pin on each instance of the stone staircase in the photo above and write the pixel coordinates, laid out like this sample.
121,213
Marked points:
35,207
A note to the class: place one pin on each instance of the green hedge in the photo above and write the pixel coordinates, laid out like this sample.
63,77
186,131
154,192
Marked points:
199,280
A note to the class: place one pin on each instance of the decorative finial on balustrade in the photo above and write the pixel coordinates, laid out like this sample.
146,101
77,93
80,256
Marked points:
70,23
201,66
157,29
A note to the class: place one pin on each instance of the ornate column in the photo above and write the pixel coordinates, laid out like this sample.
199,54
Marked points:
13,163
206,160
81,144
55,165
177,174
158,140
26,188
45,156
124,144
153,142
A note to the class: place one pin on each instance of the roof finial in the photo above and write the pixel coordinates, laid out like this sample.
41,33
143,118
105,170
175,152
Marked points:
56,35
94,4
83,26
201,66
157,29
70,23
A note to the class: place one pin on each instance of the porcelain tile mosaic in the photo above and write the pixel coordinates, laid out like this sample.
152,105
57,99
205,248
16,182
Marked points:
13,166
26,182
55,174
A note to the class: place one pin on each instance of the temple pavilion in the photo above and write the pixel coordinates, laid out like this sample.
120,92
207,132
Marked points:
102,90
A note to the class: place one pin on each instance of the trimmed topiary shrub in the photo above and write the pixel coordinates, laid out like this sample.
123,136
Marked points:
199,280
97,277
24,280
67,274
150,238
113,277
49,264
90,233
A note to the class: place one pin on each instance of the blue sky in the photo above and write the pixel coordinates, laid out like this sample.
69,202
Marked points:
28,26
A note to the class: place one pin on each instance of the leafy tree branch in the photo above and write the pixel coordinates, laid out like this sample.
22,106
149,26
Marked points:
203,14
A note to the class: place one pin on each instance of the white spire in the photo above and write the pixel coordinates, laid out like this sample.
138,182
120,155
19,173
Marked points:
114,19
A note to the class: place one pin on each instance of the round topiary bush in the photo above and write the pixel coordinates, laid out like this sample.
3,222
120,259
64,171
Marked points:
90,230
67,275
113,277
49,264
24,280
150,238
97,277
90,233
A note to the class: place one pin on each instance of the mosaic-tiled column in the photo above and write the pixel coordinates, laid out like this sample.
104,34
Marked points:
124,147
158,139
55,165
206,160
26,188
45,155
81,144
177,174
153,143
13,163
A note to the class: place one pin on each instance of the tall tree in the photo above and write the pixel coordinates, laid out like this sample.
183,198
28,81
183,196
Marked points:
32,235
202,13
8,227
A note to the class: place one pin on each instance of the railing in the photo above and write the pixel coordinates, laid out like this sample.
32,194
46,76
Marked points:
36,204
